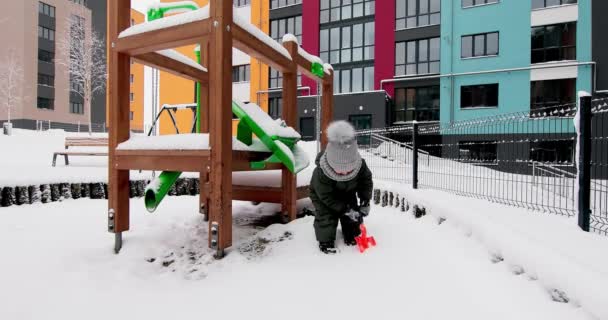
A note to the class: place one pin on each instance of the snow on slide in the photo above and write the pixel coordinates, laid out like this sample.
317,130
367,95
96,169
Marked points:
270,126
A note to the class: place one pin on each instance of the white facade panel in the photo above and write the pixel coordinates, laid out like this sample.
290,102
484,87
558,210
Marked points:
554,15
554,73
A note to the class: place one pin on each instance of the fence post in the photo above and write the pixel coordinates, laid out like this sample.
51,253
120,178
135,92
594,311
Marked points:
584,161
415,155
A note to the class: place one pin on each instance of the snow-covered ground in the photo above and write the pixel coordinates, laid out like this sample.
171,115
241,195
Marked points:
58,264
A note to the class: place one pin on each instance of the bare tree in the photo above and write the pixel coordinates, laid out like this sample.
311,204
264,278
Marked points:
86,61
11,81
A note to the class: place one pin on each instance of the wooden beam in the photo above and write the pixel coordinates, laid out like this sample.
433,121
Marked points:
220,137
258,49
162,160
290,111
327,109
169,38
175,67
119,70
205,87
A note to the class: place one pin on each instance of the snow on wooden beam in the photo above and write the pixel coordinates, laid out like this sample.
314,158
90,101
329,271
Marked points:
161,39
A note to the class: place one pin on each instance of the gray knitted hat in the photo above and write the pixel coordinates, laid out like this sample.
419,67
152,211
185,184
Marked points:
341,160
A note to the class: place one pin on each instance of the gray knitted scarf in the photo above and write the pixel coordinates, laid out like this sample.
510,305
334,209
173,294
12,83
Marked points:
331,173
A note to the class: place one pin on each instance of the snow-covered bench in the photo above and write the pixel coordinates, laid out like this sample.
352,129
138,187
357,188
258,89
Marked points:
81,142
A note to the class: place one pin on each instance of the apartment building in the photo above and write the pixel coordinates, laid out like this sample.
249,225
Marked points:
33,29
397,61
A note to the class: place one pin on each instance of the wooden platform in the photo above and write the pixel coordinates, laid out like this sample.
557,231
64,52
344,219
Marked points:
184,160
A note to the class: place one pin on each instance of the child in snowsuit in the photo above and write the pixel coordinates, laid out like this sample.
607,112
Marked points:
341,176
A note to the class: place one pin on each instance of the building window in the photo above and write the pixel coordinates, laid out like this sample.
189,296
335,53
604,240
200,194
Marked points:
131,115
46,33
240,73
132,78
337,10
346,44
479,45
547,96
240,3
45,103
472,3
131,97
354,80
554,43
77,108
417,57
46,9
46,80
420,104
80,2
283,3
46,56
537,4
479,96
417,13
477,151
275,107
559,151
279,28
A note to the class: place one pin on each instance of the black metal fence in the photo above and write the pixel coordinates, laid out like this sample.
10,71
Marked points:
525,159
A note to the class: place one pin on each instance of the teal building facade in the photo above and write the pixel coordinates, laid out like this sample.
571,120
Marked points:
506,56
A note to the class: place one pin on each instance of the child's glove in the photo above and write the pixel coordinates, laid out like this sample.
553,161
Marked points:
364,208
353,215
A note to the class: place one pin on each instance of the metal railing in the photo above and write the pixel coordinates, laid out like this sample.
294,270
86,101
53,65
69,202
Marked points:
525,159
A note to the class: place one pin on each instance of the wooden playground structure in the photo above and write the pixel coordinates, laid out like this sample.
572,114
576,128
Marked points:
217,34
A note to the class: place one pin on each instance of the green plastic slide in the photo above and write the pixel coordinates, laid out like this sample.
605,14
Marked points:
278,138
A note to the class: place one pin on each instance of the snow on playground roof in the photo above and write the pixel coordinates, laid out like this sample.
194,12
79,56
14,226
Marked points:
311,58
167,22
198,15
172,54
270,126
198,141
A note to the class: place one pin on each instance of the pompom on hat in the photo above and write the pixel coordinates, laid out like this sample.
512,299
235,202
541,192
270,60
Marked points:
341,160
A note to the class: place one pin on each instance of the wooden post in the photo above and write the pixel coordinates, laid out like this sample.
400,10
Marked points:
290,110
327,106
205,89
204,176
220,117
118,92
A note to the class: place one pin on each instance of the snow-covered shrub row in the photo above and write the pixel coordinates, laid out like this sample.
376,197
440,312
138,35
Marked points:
46,193
392,199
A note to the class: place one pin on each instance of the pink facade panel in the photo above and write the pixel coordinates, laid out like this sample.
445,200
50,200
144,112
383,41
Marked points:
310,36
384,51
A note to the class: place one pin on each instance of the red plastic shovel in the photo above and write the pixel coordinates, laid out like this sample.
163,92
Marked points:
363,241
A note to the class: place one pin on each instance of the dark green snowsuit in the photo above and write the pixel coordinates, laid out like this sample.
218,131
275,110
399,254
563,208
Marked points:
332,199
